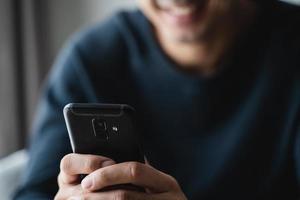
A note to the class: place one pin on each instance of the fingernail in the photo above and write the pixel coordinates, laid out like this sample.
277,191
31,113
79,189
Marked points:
108,163
86,183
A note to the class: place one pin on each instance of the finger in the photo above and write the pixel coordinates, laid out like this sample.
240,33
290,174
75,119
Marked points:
66,192
74,164
113,195
64,179
130,172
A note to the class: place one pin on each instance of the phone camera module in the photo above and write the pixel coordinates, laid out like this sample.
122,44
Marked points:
100,128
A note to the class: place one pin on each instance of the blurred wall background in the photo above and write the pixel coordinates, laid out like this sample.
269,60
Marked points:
31,34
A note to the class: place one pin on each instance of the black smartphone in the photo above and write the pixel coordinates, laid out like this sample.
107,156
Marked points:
104,129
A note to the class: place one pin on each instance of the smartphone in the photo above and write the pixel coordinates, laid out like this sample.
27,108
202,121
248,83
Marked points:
104,129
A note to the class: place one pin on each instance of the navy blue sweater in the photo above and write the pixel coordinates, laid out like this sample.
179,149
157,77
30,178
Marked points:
235,135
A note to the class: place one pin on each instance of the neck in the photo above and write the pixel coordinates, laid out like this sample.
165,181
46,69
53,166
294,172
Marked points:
205,55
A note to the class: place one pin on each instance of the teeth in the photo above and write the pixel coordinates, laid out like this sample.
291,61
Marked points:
177,7
178,2
174,3
183,10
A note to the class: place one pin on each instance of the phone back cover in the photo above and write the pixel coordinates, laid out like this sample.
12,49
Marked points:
121,145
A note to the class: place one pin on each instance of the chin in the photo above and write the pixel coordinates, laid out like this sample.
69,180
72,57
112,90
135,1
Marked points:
186,36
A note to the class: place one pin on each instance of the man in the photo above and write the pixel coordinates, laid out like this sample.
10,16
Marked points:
216,85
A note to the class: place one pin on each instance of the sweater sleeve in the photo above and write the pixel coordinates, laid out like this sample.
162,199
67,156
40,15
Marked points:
50,139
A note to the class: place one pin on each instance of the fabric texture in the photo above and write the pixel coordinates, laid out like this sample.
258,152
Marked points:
234,135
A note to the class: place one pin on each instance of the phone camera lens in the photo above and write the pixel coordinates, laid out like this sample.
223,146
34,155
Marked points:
100,128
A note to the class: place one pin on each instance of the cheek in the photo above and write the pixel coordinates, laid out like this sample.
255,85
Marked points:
220,11
217,7
149,8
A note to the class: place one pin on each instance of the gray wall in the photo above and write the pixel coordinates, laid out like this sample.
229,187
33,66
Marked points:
28,49
67,16
8,121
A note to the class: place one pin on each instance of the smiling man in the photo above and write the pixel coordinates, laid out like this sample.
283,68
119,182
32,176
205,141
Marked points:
216,86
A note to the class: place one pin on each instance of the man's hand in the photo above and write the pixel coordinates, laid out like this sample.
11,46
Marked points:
103,172
71,166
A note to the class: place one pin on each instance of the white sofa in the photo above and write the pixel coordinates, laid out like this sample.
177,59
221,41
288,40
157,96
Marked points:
11,168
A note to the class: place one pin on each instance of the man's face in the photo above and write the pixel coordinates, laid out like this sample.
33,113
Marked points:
190,20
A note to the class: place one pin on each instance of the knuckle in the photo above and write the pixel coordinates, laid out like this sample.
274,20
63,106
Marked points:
121,195
91,163
76,191
135,170
66,163
173,182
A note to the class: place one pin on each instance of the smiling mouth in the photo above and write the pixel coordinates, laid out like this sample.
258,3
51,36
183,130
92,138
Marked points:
182,12
180,5
178,2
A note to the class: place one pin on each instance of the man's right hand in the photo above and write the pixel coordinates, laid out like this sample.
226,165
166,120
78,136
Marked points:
71,166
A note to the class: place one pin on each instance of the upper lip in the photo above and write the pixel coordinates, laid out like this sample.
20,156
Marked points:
180,4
